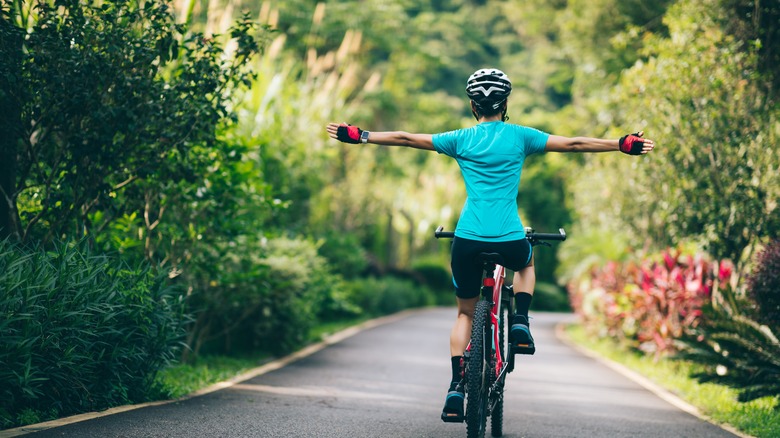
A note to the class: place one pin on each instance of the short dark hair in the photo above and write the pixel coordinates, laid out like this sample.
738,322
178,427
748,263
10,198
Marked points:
488,108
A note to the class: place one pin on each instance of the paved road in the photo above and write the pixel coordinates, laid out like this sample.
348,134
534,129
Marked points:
390,381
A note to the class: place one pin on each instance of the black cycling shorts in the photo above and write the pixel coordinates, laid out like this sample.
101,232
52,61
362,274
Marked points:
467,269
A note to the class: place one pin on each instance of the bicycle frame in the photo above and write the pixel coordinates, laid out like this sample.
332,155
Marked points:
492,286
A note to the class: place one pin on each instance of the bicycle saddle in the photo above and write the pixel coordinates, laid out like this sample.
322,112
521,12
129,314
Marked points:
491,257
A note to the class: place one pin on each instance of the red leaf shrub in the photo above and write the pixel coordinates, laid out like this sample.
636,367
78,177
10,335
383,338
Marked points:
647,304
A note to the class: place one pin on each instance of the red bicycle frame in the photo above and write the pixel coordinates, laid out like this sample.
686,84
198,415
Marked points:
496,283
495,312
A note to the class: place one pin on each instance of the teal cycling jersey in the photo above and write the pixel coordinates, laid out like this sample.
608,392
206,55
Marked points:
491,157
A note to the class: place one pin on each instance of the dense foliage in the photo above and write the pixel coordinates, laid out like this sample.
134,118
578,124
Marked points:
713,178
101,97
80,331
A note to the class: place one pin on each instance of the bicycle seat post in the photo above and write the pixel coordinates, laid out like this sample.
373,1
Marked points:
489,262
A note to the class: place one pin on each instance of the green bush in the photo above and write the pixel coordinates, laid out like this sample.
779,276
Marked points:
382,296
437,276
344,253
550,297
287,313
266,295
228,285
80,332
331,298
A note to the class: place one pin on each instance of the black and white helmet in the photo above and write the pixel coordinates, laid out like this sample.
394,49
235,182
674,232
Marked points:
488,86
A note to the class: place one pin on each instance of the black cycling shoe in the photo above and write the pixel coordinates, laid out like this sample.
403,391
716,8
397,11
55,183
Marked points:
453,406
520,336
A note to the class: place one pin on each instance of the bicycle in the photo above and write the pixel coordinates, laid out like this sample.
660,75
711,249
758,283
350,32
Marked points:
485,364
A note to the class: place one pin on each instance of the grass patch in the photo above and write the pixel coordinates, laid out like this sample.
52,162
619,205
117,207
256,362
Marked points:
321,331
182,379
759,418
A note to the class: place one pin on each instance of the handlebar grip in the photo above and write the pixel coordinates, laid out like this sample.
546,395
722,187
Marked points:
439,233
560,236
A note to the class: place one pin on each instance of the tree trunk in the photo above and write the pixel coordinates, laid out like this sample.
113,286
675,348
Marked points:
10,126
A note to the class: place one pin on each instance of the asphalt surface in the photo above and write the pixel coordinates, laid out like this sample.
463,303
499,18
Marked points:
390,381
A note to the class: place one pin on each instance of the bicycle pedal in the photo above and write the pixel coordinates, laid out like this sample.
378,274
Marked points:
451,417
524,349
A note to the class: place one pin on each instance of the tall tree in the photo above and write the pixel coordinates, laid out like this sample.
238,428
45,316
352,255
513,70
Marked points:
11,43
100,96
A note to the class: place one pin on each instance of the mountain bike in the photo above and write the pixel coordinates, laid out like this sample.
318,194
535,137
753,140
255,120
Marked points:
485,361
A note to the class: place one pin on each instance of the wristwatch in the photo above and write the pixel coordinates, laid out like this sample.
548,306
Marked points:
364,137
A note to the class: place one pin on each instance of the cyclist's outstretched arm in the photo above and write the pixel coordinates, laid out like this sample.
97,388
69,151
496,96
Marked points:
400,138
353,134
632,144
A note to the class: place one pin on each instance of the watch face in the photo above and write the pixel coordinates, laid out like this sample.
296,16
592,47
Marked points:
364,136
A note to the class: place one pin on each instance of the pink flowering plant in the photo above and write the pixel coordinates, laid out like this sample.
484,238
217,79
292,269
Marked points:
648,304
687,306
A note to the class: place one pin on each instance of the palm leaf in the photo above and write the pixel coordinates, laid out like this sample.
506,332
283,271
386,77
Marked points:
734,350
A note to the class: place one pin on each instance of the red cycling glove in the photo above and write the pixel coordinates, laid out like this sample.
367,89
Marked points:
348,133
631,144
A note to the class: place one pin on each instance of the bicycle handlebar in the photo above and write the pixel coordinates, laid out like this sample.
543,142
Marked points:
530,234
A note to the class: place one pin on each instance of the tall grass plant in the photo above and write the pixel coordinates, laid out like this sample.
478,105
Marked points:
80,331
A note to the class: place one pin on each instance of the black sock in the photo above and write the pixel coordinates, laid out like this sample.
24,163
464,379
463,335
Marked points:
456,377
522,303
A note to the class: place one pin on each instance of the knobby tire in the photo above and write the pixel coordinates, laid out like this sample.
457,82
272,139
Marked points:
478,373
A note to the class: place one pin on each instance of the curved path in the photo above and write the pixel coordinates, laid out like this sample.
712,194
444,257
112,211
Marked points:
390,381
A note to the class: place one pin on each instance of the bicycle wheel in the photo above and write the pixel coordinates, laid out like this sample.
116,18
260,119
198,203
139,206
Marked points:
497,414
477,373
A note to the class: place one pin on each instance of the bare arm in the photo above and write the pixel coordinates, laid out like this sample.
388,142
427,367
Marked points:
557,143
392,138
400,138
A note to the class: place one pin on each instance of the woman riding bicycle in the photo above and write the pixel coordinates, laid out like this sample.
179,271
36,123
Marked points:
491,156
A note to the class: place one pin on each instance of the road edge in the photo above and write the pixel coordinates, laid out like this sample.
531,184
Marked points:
254,372
644,382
